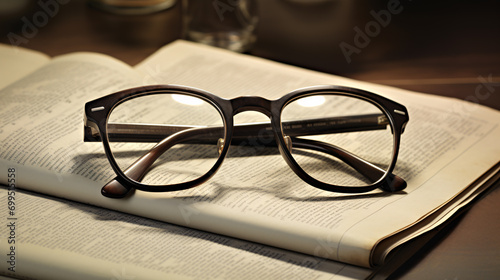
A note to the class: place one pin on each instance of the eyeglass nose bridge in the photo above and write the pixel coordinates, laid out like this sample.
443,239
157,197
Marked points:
264,106
251,103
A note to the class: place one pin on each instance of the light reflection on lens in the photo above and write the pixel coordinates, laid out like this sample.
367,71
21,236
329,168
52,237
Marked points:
311,101
187,100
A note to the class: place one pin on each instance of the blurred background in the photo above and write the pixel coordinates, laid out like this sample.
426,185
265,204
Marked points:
425,46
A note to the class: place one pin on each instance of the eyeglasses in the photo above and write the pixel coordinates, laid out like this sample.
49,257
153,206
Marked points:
169,138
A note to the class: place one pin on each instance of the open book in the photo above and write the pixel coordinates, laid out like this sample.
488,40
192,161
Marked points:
449,154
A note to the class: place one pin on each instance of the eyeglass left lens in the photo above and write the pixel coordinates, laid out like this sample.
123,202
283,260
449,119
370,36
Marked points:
167,138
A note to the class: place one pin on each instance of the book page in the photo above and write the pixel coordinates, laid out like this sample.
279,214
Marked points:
442,138
41,140
258,197
42,118
51,234
18,62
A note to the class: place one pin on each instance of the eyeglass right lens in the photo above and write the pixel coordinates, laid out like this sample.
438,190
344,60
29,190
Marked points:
167,138
339,140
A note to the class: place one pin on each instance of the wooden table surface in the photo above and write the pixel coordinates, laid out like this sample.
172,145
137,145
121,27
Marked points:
440,48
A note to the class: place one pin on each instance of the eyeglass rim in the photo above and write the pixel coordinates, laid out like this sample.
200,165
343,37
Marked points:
396,113
111,101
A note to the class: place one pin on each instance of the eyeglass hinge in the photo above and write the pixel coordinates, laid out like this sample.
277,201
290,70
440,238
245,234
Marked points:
220,145
288,142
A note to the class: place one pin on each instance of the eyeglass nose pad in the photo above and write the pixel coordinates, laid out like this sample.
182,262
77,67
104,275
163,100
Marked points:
220,145
288,142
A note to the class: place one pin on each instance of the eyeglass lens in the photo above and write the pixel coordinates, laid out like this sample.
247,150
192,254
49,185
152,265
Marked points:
178,138
349,144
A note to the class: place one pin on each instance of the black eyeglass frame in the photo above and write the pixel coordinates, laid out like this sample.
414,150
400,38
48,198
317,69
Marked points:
98,111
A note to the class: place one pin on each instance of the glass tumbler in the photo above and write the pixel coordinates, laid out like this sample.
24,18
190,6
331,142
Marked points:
132,7
228,24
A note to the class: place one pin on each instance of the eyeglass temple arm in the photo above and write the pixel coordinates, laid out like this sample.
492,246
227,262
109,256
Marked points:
139,168
118,132
393,182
